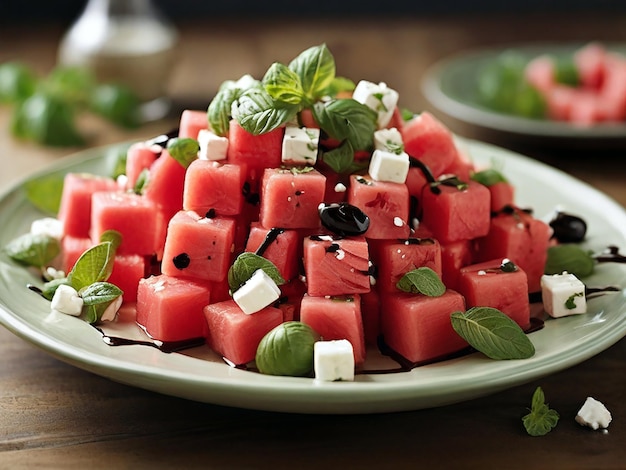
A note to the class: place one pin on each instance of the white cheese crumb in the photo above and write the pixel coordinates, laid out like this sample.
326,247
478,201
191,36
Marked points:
563,294
389,166
66,300
333,360
593,414
212,146
47,226
389,140
257,293
300,145
111,311
398,222
340,188
378,97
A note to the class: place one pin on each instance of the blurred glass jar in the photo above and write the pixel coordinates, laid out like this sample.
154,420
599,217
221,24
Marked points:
127,42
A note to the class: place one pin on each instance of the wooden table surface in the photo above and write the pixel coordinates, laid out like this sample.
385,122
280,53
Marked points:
53,415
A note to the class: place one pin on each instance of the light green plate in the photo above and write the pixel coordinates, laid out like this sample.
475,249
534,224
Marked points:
451,86
200,375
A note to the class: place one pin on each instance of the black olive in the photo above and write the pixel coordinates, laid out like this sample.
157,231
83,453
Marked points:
344,219
568,228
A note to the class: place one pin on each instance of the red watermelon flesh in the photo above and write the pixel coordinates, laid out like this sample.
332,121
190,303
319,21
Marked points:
336,318
336,266
72,248
430,141
75,209
165,185
590,62
370,312
385,203
135,217
128,270
521,238
192,122
290,199
236,335
395,258
454,214
486,285
281,247
455,256
140,157
540,73
502,195
214,186
418,327
198,247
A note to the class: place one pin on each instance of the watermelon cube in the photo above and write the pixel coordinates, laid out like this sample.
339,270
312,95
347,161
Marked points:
214,187
336,266
590,63
191,122
502,195
418,327
171,309
290,199
386,204
395,258
198,247
235,335
75,208
454,256
518,236
128,270
486,285
165,185
256,152
292,293
370,312
72,248
336,318
281,247
454,214
136,218
540,73
139,157
430,141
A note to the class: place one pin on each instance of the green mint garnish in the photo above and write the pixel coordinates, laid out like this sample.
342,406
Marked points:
183,149
315,67
541,419
99,293
407,114
17,82
340,159
570,303
45,192
244,267
219,111
258,113
491,332
142,181
33,250
422,281
338,85
566,71
394,147
571,258
489,177
94,265
347,119
283,84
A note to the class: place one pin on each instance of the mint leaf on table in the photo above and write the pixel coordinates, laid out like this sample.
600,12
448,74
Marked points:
316,68
491,332
347,119
541,419
422,280
183,149
34,250
244,267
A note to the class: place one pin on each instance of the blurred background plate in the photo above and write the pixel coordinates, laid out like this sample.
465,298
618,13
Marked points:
451,84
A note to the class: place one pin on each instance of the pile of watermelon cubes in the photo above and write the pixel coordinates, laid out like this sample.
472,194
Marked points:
195,221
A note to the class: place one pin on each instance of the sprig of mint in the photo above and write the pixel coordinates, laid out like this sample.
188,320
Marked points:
35,250
541,419
183,149
347,119
571,258
493,333
422,280
219,111
244,267
489,177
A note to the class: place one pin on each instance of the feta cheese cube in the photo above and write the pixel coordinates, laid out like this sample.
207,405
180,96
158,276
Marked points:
300,145
388,166
593,414
212,146
66,300
389,140
47,226
257,293
333,360
378,97
563,294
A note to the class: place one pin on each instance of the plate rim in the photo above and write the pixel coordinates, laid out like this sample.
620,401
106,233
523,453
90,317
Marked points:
489,119
337,393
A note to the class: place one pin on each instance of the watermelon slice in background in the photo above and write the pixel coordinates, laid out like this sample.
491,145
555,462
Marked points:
192,122
139,157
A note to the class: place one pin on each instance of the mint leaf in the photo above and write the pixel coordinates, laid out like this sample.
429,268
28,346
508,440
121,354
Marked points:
422,280
45,192
219,111
99,293
258,113
340,159
489,177
283,84
118,104
142,181
183,149
339,85
493,333
347,119
566,71
94,265
571,258
541,419
50,287
33,250
112,236
244,267
316,68
17,82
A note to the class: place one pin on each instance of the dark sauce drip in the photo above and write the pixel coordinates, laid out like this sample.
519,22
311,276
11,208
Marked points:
210,214
415,163
417,241
511,210
249,196
611,256
163,346
35,289
163,139
270,238
568,228
332,248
